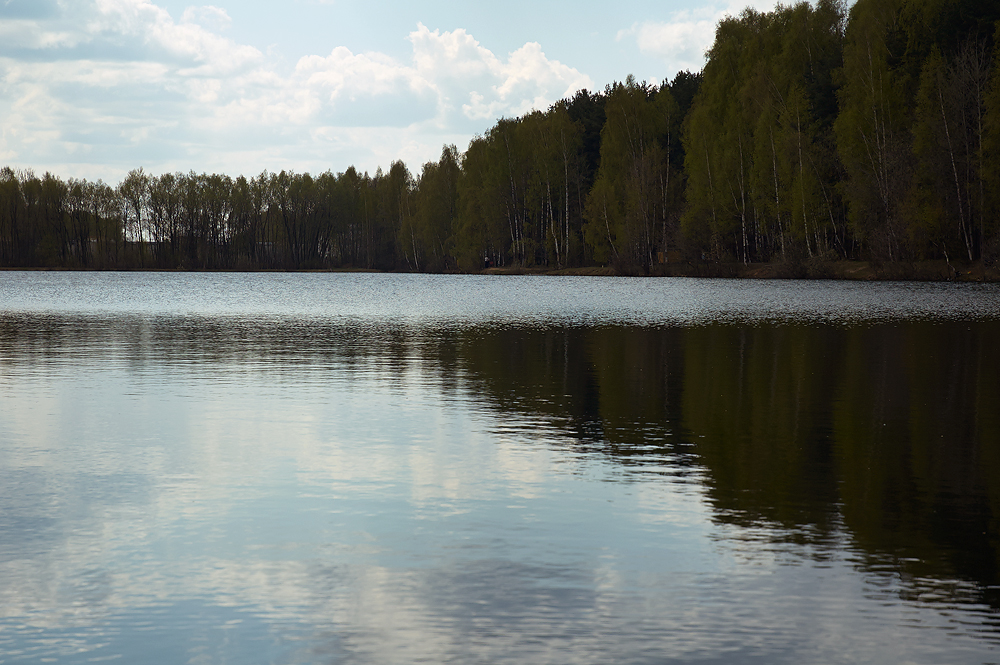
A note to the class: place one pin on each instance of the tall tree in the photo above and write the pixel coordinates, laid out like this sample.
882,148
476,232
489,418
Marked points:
134,193
435,207
626,206
758,143
872,127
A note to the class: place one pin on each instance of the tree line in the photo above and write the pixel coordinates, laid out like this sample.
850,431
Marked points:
813,132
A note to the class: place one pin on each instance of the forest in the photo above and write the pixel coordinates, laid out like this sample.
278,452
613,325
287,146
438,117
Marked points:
814,133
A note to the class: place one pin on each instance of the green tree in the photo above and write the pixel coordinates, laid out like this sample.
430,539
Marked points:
626,207
166,215
758,142
990,156
479,233
134,194
436,201
12,218
872,128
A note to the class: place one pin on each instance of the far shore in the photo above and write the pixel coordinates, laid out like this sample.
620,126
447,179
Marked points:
921,271
924,271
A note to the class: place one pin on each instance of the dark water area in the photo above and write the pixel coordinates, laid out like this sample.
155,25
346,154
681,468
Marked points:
394,469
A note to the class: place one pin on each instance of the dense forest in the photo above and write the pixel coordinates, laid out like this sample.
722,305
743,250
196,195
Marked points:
814,132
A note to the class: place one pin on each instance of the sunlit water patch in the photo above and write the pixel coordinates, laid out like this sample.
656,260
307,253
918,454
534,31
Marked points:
369,301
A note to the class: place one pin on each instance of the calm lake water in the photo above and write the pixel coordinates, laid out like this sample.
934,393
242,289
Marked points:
356,468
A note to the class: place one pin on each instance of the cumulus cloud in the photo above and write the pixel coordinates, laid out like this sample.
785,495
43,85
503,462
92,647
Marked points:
683,40
209,16
95,89
467,81
196,47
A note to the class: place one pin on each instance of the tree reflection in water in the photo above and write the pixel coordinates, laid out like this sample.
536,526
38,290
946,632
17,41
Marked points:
876,443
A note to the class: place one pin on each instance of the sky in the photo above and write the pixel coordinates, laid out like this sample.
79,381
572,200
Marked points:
95,88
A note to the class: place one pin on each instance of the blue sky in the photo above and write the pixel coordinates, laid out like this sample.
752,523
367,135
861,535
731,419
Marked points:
94,88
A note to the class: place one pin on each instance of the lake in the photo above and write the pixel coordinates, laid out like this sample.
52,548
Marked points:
369,468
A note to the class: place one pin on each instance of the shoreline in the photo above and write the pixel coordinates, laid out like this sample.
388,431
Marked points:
918,271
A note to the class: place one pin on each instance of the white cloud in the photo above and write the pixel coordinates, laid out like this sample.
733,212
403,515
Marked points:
683,40
121,84
453,54
468,81
28,34
210,17
206,52
485,86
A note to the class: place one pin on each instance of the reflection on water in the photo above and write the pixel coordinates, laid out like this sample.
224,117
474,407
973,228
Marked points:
386,468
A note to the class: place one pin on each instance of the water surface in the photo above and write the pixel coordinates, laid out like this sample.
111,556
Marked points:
301,468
